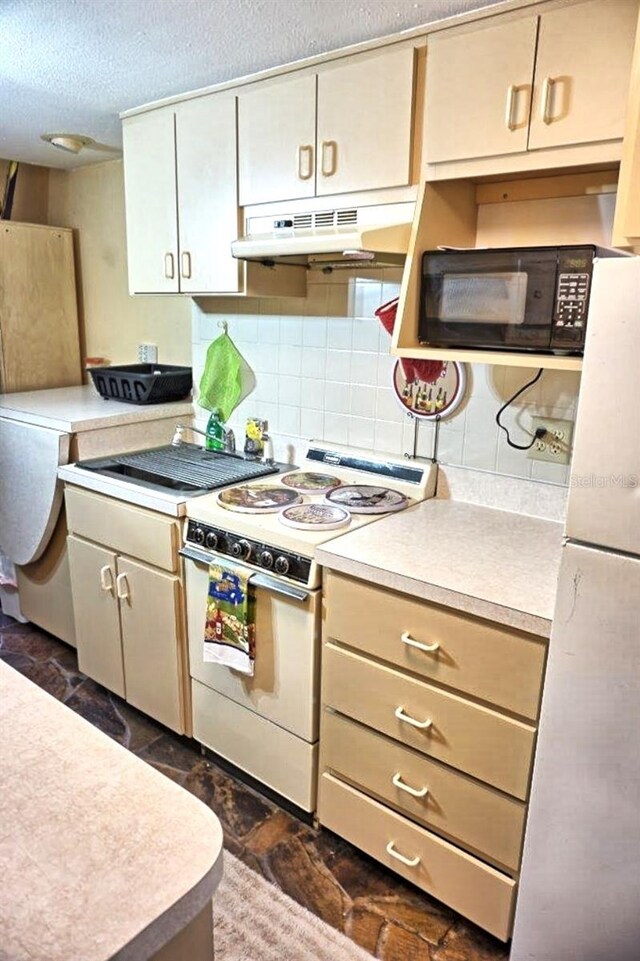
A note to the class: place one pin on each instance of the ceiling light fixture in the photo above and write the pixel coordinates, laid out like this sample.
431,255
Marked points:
71,142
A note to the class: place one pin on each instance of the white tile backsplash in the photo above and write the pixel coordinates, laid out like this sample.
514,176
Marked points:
326,373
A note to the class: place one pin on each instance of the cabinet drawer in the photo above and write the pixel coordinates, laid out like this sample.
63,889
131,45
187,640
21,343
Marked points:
476,890
498,665
129,530
468,736
468,812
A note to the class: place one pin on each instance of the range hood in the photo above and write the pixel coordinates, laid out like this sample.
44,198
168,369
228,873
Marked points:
375,236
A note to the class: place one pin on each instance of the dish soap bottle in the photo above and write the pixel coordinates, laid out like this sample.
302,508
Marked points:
215,431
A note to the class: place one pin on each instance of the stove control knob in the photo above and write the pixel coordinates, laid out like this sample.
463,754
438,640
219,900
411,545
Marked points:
198,535
281,565
266,559
241,550
211,540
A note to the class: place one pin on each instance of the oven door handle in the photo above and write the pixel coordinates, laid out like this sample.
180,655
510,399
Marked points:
258,580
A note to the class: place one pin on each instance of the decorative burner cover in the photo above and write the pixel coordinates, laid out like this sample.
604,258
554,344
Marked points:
367,499
315,517
257,498
311,483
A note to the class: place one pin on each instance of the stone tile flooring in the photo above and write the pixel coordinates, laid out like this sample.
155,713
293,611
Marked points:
391,919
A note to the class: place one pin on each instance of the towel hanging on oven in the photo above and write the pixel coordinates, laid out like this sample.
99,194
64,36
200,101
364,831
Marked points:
229,633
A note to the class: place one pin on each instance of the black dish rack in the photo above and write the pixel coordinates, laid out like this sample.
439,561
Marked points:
143,383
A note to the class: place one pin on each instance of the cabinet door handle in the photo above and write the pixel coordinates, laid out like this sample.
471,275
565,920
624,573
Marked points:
106,579
508,111
305,150
545,100
406,638
414,792
329,147
169,266
186,264
122,587
410,862
423,725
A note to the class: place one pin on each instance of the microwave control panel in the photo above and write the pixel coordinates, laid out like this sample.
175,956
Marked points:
573,286
571,302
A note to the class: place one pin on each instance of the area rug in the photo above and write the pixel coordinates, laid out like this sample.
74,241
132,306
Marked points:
255,921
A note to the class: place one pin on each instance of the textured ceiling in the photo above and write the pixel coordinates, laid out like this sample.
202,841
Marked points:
73,65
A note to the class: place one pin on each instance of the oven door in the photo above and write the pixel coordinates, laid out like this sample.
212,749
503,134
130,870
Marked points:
285,686
489,299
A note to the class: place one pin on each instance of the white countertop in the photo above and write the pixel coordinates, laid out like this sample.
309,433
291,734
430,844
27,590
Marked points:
491,563
73,409
103,857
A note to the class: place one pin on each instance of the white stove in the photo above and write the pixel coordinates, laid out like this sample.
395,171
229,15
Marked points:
267,725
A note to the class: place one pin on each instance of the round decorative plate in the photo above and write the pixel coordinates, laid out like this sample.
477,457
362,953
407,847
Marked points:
315,517
429,400
257,498
366,499
310,483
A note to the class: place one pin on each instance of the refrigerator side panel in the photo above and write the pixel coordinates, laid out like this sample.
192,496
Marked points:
579,897
604,498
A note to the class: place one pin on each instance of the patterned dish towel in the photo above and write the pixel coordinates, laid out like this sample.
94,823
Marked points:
229,633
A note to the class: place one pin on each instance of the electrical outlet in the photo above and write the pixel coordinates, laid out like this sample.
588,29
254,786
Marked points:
147,354
555,446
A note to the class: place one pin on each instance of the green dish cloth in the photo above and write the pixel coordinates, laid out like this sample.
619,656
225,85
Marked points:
227,378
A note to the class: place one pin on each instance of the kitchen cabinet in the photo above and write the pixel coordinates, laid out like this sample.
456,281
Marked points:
626,226
128,610
39,341
559,79
343,128
425,758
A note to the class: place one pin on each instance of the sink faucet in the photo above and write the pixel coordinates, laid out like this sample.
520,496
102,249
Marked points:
178,437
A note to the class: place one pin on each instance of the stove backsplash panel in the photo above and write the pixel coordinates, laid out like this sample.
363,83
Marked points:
323,371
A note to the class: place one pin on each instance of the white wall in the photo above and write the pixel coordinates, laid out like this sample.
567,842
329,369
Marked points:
323,371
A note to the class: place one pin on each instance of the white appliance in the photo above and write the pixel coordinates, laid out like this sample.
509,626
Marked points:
579,894
267,725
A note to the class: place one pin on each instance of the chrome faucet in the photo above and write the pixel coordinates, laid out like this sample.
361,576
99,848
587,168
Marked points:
178,437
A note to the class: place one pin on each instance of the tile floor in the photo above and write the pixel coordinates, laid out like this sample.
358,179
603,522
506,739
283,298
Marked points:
389,918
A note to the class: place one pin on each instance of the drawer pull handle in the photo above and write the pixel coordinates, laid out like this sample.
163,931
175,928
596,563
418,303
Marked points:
122,587
545,100
169,269
411,641
410,862
106,579
508,113
399,712
414,792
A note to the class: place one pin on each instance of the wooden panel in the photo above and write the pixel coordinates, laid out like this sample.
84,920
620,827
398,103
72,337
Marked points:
45,588
582,73
626,227
471,77
490,746
39,343
476,890
95,608
469,813
130,530
207,193
150,202
560,220
276,120
365,147
494,663
544,188
151,614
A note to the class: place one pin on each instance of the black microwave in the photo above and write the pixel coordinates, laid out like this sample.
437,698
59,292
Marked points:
510,298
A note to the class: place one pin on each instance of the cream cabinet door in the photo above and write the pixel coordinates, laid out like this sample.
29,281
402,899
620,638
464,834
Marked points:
95,611
207,194
150,201
364,123
479,91
582,73
276,140
151,616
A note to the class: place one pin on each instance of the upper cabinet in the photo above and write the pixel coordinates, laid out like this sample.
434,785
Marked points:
555,80
343,128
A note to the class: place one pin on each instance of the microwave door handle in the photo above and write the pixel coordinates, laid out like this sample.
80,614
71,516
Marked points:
263,581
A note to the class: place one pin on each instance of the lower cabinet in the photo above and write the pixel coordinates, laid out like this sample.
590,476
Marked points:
129,616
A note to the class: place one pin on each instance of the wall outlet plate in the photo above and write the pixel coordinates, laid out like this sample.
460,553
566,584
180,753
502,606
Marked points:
555,446
147,354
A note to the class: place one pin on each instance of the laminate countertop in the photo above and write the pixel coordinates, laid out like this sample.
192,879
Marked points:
491,563
102,856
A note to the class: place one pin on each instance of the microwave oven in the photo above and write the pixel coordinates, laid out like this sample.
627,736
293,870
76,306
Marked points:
510,298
